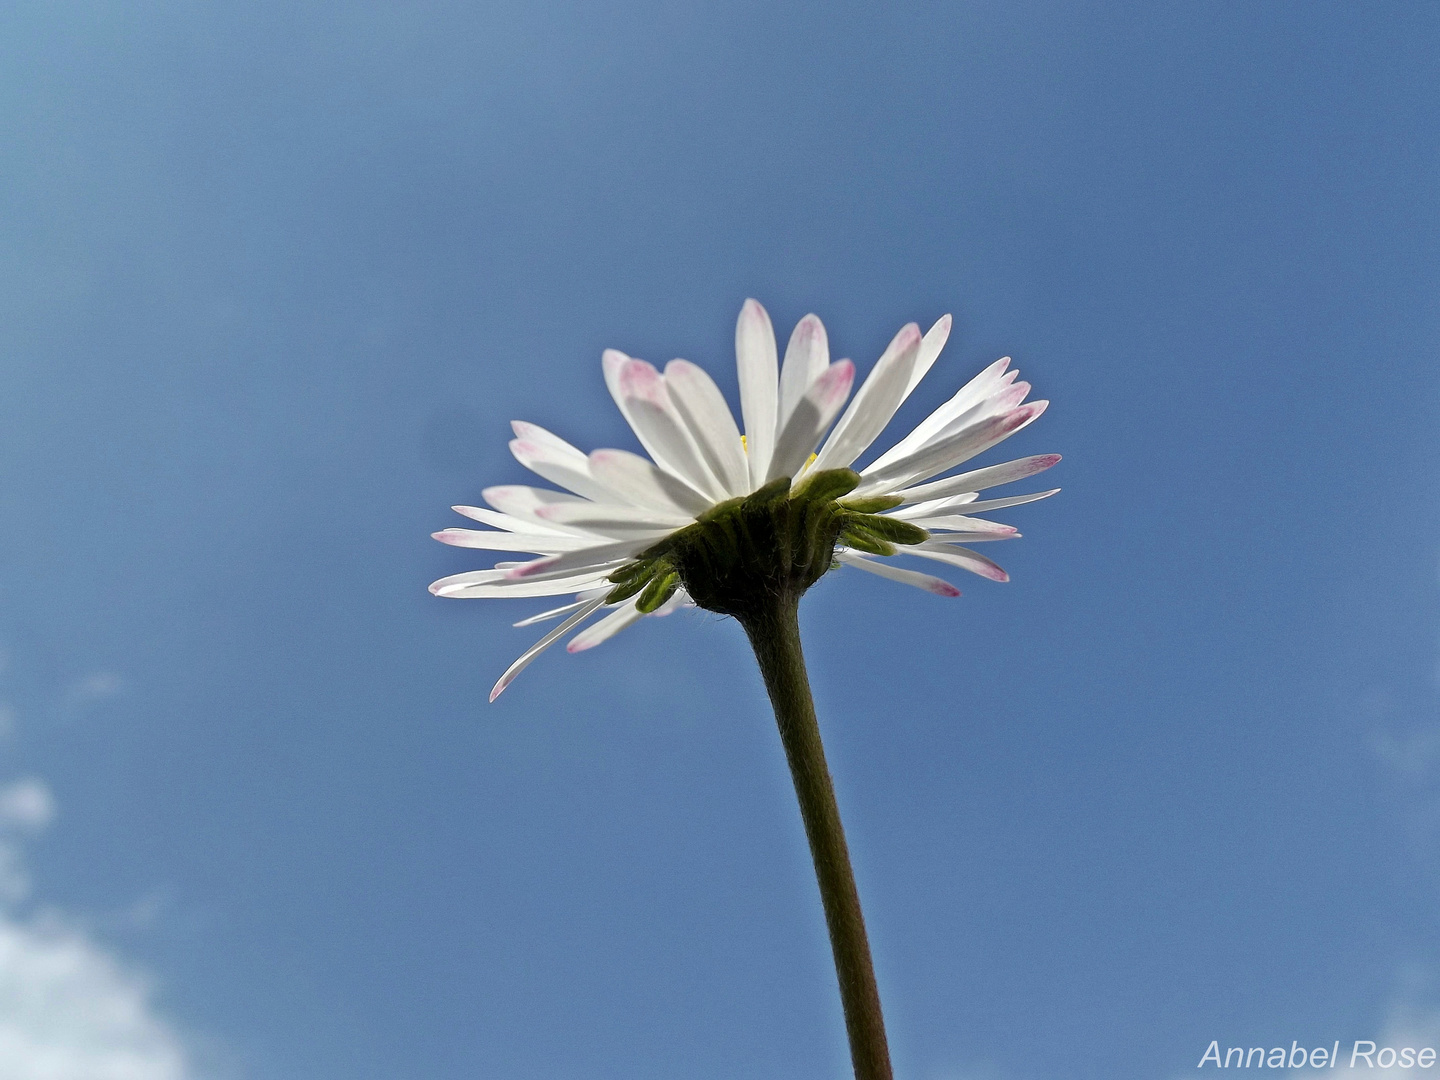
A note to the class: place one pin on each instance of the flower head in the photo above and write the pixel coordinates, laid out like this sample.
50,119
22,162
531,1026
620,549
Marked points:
713,518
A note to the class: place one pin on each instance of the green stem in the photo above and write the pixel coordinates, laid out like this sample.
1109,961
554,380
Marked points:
774,631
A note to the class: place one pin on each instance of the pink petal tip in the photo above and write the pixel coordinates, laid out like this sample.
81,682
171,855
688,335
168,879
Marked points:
524,570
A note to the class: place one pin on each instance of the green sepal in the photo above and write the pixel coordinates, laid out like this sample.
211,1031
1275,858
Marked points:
862,539
626,590
895,530
772,492
662,586
632,577
819,535
722,508
872,504
826,485
641,568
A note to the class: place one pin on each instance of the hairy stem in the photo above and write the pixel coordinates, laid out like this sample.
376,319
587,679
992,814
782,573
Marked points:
774,631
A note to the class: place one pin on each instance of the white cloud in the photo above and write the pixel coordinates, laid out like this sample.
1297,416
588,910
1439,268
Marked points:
26,804
70,1009
1412,1027
95,687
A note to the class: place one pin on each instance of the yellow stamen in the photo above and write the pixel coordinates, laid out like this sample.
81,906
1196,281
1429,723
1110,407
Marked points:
808,461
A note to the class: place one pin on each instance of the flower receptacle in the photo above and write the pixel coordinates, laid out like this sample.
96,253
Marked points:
777,541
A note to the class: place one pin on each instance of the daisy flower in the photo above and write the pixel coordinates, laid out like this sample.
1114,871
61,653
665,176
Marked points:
618,536
743,525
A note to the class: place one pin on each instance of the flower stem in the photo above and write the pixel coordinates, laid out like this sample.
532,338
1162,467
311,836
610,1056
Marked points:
774,631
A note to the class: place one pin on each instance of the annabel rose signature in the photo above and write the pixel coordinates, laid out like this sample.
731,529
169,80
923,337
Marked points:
1364,1054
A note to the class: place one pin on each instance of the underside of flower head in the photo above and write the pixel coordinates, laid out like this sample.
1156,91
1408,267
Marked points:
776,541
713,518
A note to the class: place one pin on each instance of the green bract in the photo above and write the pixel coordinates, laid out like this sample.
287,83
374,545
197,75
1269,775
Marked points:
776,541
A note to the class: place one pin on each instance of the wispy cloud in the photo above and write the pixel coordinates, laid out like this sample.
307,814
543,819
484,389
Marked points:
1410,1027
70,1008
95,686
26,804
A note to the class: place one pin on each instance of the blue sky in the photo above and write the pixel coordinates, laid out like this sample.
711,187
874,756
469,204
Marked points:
277,276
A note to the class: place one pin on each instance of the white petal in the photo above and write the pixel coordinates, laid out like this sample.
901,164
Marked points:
938,586
544,643
949,452
930,507
955,555
585,598
521,501
1003,401
973,537
478,584
611,361
976,528
982,386
759,386
645,403
607,627
636,481
495,540
806,358
535,433
620,529
875,403
979,479
512,524
588,514
930,347
812,414
560,468
1014,500
699,402
574,562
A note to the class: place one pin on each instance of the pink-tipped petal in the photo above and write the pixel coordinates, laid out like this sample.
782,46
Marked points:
880,568
969,399
951,451
536,434
955,555
702,407
544,643
960,523
510,522
930,347
623,616
495,540
572,473
979,479
574,562
638,482
758,368
806,358
874,404
1014,500
811,416
663,431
